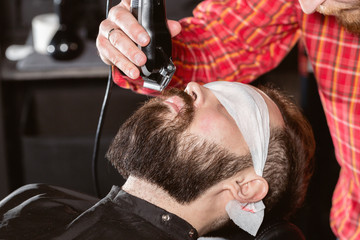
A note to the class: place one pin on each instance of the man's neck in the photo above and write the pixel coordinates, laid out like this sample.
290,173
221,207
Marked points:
201,213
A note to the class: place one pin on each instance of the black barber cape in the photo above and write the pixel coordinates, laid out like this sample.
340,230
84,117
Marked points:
45,212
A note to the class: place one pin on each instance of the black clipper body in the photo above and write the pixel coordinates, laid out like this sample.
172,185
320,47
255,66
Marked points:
159,68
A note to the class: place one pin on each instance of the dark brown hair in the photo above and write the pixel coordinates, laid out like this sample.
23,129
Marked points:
291,167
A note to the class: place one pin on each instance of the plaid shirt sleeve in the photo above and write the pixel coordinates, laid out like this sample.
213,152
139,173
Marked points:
335,56
230,40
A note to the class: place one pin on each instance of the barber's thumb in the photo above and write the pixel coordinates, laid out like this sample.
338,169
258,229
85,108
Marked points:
174,27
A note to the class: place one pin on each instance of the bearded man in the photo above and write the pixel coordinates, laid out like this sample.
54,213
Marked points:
197,158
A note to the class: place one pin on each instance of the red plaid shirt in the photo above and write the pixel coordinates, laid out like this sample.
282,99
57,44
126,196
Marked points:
240,40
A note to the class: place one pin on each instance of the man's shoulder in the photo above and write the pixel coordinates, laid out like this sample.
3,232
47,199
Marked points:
107,220
117,216
40,211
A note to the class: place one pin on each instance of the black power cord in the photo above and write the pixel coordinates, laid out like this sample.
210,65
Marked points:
101,121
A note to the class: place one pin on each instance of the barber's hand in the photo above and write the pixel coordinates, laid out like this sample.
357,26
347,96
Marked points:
118,46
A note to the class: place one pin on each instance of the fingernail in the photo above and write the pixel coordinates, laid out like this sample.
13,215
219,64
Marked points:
132,73
143,38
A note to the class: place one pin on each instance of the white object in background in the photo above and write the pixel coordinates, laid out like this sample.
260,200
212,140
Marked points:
44,27
18,52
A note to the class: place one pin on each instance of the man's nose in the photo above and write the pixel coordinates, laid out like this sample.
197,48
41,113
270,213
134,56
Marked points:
196,92
309,6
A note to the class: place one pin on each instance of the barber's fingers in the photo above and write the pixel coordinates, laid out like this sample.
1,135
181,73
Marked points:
120,51
123,43
115,41
124,19
118,37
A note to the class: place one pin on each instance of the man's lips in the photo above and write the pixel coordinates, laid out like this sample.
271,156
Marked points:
175,103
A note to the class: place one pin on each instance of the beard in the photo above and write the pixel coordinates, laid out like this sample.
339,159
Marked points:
351,23
153,146
348,18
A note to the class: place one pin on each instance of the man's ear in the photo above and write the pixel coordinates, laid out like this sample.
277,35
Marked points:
247,187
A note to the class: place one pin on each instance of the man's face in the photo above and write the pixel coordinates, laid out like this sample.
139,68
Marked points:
155,144
185,143
347,12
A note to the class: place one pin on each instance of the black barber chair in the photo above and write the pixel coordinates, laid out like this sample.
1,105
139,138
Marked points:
59,205
279,229
271,229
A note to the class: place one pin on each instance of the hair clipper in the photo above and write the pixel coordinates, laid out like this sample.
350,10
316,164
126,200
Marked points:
159,68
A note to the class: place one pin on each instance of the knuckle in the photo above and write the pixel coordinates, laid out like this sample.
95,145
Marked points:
127,52
118,14
103,24
113,12
100,42
123,64
117,38
117,60
117,18
127,66
132,54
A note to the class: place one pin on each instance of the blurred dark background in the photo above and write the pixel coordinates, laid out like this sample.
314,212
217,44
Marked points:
49,110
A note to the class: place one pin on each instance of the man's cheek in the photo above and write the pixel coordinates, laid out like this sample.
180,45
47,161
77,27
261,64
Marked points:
205,127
